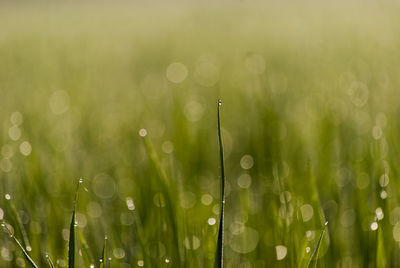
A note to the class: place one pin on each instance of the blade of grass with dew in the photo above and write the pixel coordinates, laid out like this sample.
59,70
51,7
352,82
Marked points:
164,184
314,255
49,260
26,255
20,226
103,254
71,243
219,255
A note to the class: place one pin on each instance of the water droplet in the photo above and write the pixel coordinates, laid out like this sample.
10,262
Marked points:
130,204
374,226
7,196
219,102
80,180
167,260
140,263
211,221
28,248
142,132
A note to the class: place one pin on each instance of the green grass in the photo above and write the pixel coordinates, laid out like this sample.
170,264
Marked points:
310,134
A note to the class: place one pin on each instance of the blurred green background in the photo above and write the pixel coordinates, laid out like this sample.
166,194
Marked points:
310,114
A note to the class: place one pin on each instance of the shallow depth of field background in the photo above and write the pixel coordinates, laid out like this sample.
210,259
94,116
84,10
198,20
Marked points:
310,121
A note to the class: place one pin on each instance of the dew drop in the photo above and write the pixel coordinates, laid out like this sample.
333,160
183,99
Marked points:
374,226
142,132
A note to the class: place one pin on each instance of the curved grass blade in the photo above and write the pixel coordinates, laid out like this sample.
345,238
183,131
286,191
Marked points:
316,250
71,243
103,255
50,261
26,255
219,255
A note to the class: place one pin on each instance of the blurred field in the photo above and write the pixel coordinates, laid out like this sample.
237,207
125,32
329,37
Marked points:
310,126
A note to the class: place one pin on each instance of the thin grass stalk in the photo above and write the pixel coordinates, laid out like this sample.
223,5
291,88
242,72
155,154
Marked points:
219,256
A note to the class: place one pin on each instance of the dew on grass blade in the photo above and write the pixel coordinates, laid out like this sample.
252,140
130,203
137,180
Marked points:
142,132
211,221
374,226
130,204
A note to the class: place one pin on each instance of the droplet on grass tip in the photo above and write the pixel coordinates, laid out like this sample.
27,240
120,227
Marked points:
374,226
143,132
219,102
130,204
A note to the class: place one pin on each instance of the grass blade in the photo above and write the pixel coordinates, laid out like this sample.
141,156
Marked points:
85,248
71,244
219,256
27,257
165,185
103,255
50,261
316,250
20,226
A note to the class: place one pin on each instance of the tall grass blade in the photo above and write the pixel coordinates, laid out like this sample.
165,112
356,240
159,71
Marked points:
164,184
314,255
26,255
103,255
219,256
71,244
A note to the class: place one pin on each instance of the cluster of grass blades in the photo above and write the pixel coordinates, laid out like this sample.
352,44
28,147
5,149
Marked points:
25,247
165,184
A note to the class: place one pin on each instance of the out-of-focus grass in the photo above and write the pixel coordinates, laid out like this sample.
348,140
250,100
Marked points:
304,85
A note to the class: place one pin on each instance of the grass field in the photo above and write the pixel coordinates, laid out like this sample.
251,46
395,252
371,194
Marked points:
124,95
